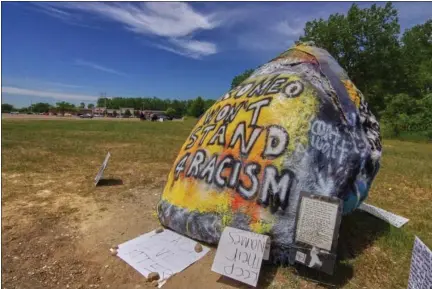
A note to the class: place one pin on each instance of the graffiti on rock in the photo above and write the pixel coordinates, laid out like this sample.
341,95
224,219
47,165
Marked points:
251,154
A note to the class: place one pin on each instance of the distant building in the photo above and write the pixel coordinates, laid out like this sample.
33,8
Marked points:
124,109
82,111
99,110
112,112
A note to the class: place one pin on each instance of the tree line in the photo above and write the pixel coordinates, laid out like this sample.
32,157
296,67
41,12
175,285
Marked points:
394,73
173,108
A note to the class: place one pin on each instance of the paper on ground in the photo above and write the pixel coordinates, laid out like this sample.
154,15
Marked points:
395,220
421,266
239,255
102,169
167,253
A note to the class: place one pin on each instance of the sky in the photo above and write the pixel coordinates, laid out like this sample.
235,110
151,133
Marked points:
74,51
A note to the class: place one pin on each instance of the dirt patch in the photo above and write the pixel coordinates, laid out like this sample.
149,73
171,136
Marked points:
57,239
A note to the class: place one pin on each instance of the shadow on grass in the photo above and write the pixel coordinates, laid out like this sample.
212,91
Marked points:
109,182
358,231
265,279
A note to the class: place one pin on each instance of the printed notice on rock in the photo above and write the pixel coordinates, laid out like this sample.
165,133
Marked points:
421,266
393,219
102,169
316,222
239,255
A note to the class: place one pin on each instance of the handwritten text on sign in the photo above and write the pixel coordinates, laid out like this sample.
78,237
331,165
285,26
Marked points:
239,255
166,253
421,267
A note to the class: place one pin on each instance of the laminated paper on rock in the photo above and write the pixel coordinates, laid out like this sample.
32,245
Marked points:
296,124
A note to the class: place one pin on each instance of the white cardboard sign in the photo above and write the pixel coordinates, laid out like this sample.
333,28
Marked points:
102,169
421,266
239,255
167,253
393,219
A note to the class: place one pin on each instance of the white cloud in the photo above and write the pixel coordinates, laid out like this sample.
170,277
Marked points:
289,30
98,67
60,84
50,94
36,83
174,21
190,48
275,38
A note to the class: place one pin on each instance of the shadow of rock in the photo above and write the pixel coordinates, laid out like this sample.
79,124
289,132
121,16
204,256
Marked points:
357,232
109,182
266,277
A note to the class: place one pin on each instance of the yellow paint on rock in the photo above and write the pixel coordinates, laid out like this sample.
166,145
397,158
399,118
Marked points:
352,92
187,194
295,116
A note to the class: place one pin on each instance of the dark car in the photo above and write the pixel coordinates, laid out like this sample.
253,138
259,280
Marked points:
164,117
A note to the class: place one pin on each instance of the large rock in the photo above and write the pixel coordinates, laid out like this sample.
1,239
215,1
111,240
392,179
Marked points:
297,124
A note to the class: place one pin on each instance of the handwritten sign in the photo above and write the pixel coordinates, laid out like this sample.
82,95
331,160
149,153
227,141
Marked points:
316,223
239,255
102,169
393,219
166,253
421,266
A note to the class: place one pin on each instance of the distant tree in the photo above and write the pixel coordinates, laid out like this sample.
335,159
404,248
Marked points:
170,112
90,106
365,43
40,107
82,105
237,80
23,110
127,113
417,58
197,107
6,107
63,107
208,103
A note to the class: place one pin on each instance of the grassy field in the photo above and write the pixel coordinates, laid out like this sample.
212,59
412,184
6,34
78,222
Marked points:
57,227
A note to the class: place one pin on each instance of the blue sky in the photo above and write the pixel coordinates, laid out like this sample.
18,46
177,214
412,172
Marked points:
73,51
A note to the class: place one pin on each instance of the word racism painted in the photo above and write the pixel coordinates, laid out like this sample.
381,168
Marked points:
214,130
240,254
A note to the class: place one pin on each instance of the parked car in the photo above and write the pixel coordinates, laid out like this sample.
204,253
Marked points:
164,117
87,115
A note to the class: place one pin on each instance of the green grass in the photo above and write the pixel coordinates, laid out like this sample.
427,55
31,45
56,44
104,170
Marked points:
372,253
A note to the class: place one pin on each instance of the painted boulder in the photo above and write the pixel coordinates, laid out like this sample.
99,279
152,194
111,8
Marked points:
296,124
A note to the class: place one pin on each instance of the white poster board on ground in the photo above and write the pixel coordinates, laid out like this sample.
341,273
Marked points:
393,219
166,253
102,169
421,266
239,255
